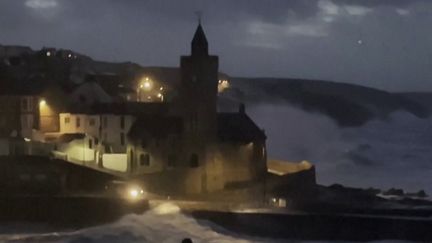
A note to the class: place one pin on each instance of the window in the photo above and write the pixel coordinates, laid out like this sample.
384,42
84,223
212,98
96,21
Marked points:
40,177
122,139
24,104
78,122
96,141
145,160
24,177
67,120
105,122
193,161
194,121
122,122
132,159
90,144
92,122
24,122
172,160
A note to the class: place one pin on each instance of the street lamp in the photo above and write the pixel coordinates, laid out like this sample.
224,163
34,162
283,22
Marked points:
42,103
144,85
159,95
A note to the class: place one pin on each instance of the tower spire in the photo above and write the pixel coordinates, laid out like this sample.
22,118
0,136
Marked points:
199,16
199,41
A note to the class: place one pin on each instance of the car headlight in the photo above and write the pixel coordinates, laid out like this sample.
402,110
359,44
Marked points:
135,193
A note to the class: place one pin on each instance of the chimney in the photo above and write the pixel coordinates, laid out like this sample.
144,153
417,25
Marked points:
242,108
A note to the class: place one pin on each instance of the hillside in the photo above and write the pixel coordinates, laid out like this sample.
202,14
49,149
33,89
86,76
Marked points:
347,104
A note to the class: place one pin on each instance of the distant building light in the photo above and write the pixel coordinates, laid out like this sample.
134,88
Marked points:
159,95
149,97
161,88
147,85
223,85
48,53
70,55
27,139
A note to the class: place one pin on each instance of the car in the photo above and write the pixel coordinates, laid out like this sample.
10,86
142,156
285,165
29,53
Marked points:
129,191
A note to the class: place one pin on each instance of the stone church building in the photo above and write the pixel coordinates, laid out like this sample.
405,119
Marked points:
191,148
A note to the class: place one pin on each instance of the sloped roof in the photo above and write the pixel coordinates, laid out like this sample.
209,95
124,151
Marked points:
15,87
199,42
69,137
153,126
238,127
121,108
199,37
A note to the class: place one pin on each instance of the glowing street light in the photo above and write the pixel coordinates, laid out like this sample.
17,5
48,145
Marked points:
159,95
42,103
147,85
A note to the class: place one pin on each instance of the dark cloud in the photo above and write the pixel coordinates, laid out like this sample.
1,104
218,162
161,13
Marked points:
384,43
373,3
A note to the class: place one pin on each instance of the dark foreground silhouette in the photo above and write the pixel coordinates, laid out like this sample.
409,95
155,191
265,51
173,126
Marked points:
75,212
322,226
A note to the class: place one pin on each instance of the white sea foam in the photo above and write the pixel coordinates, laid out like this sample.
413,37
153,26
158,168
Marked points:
163,224
383,154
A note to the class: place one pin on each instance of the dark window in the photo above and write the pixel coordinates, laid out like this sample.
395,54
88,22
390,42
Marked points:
122,139
92,122
122,122
67,120
90,144
105,122
78,122
193,162
145,159
96,141
172,160
172,142
24,104
132,160
143,144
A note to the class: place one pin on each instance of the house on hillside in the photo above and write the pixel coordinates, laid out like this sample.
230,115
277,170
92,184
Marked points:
177,145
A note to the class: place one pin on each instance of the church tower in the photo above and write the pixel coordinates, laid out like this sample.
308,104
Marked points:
198,91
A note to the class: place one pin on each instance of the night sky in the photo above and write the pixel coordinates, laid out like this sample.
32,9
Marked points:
379,43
